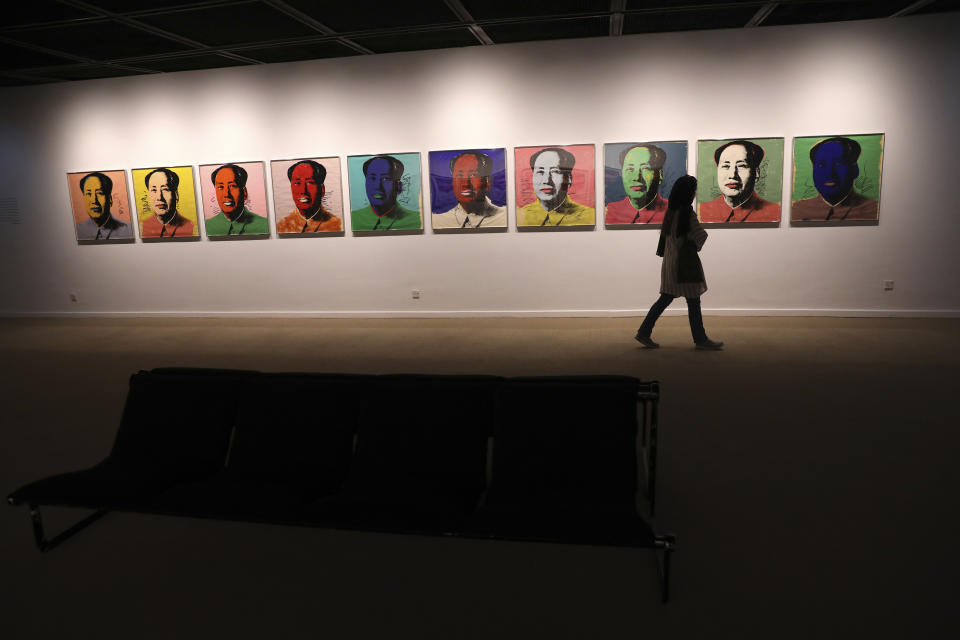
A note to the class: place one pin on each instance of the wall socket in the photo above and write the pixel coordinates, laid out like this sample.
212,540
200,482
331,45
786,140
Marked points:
415,294
73,297
888,285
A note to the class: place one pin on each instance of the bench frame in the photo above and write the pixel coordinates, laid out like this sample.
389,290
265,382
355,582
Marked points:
648,398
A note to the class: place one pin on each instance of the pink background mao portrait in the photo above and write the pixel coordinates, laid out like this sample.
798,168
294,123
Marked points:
283,198
256,189
119,209
581,189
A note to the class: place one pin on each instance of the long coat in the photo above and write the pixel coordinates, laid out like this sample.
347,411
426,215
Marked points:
681,273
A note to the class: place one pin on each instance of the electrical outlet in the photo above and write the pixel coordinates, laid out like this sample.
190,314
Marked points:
73,297
888,285
415,294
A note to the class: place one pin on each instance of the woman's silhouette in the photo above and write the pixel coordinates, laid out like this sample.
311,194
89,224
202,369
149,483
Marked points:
681,237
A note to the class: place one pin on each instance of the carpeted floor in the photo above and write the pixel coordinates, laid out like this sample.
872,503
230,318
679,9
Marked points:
808,469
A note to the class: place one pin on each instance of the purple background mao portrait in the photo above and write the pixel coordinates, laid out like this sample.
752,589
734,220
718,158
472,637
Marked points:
441,188
674,167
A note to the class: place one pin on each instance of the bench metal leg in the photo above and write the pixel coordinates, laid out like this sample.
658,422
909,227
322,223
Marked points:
665,544
649,436
46,545
643,423
652,455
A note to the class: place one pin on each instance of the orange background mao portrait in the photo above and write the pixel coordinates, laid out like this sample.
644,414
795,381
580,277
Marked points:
120,207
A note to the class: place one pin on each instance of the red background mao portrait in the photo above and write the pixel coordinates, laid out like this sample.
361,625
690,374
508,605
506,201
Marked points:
119,209
582,190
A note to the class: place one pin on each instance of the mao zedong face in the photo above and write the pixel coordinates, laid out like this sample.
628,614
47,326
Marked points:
306,189
382,184
550,181
834,170
230,195
469,183
96,197
640,179
735,175
162,196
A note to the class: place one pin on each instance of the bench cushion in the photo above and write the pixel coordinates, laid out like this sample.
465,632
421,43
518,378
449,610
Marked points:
561,437
421,447
564,463
180,421
292,445
299,429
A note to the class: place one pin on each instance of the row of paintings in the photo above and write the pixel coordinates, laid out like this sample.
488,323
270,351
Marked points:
835,179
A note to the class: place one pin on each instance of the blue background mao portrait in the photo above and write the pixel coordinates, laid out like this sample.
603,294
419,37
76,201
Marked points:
673,168
442,198
409,197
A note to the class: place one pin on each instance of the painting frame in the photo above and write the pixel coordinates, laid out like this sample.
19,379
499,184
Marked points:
468,190
245,224
544,195
100,207
751,195
856,198
184,225
664,161
399,187
319,212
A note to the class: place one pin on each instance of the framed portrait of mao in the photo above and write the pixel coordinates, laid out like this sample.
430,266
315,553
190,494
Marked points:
234,201
307,197
468,190
637,178
555,187
836,180
166,203
385,193
100,206
740,181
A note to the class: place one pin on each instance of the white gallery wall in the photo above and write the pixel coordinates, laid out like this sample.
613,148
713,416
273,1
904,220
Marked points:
896,76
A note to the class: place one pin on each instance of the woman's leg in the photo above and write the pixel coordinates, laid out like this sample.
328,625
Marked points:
655,311
696,320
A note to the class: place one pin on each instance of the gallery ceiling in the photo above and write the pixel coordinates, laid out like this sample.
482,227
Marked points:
44,41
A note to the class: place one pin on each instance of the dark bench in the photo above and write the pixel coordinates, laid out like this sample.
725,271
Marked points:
552,459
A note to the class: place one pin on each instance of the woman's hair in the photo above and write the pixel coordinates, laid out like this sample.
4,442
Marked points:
681,201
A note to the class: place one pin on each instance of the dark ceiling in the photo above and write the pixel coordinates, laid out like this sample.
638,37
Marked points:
45,41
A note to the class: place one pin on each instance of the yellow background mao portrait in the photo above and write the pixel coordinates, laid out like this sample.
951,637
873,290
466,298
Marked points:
186,199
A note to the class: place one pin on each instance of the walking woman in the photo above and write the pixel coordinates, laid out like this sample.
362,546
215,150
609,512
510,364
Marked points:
681,237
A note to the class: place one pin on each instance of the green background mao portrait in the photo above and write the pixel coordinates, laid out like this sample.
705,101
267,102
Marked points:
747,195
841,182
385,192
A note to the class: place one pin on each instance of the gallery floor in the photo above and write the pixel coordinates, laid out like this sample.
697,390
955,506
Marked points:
809,471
